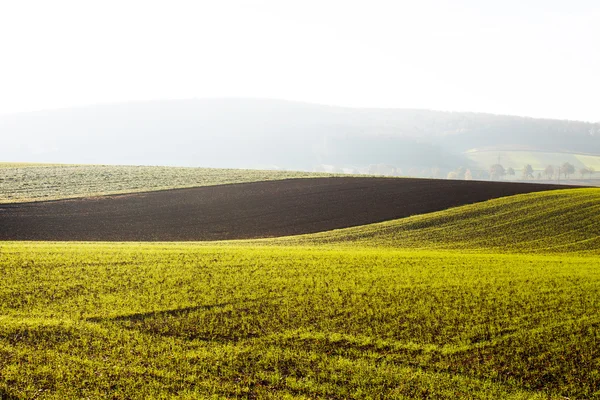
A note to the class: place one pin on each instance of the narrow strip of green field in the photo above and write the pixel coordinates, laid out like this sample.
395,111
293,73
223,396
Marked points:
200,321
21,182
30,165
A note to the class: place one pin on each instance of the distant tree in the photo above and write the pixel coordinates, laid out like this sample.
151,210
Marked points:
435,172
468,175
413,172
591,170
510,171
452,175
567,169
382,169
460,172
539,176
527,171
497,171
549,171
583,171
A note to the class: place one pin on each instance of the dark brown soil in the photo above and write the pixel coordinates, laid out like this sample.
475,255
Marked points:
248,210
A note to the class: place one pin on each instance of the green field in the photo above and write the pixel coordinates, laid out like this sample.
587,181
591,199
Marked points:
4,164
432,306
565,220
539,160
22,182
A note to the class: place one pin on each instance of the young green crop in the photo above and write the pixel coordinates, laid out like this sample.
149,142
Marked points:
35,182
555,221
238,320
387,310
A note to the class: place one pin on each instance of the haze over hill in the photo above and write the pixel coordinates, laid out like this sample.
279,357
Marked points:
253,133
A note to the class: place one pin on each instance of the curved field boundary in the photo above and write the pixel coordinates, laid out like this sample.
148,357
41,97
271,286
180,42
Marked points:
20,183
553,221
243,211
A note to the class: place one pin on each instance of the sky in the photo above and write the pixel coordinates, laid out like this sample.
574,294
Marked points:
528,57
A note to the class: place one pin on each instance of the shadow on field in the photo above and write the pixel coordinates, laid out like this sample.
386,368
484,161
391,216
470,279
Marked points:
6,396
176,312
246,319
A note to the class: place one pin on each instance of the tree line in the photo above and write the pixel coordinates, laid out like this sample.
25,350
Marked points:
497,172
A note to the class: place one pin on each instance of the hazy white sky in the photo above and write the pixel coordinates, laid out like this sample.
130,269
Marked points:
524,57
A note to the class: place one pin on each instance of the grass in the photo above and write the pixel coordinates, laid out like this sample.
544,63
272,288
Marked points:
22,182
28,165
234,320
545,222
433,306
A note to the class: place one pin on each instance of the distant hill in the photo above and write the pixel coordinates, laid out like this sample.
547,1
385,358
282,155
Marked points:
252,133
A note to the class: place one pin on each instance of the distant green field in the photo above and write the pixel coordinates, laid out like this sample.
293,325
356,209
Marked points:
25,164
425,307
538,159
21,182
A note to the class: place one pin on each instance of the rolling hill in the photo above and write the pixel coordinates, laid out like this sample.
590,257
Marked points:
435,305
544,222
244,211
431,306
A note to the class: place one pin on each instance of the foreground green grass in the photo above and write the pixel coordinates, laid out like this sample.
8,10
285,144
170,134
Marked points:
237,320
34,182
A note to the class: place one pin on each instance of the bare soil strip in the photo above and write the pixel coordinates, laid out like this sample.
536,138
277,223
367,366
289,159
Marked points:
243,211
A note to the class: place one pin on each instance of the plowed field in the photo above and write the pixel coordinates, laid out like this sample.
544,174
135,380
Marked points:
249,210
